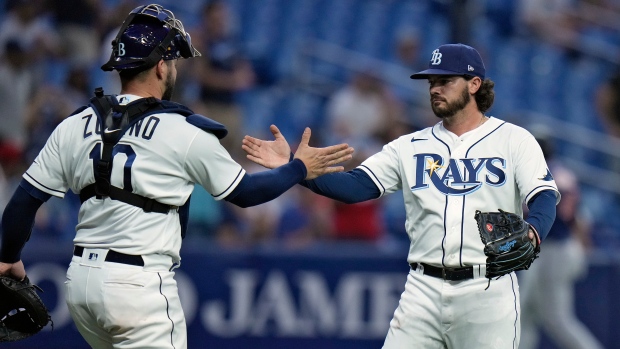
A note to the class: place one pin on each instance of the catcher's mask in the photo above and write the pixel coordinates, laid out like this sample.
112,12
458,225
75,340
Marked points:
148,34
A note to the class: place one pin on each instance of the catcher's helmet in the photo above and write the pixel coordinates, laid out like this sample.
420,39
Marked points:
148,34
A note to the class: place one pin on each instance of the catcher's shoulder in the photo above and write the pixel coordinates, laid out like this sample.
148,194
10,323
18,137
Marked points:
208,125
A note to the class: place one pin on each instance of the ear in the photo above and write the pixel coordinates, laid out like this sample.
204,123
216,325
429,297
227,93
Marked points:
161,69
474,84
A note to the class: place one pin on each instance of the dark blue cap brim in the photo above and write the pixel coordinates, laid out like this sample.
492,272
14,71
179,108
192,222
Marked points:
424,74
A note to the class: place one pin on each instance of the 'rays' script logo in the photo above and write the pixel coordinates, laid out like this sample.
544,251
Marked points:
458,176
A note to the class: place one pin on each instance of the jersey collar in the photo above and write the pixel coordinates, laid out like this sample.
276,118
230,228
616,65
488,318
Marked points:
127,98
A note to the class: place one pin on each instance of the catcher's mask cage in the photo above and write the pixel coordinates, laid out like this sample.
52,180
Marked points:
148,34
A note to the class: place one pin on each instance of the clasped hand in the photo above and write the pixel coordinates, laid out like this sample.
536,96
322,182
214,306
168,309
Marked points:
318,161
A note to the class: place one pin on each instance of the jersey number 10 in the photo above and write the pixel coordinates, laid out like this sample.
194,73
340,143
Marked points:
126,149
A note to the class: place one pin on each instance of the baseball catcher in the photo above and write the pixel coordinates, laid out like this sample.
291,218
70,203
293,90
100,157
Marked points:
506,242
22,312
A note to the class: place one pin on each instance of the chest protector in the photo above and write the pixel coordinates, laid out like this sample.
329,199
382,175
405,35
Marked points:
115,120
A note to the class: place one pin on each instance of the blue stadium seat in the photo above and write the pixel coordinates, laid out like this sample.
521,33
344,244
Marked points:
261,26
582,79
547,70
436,32
258,111
507,65
409,13
335,22
500,15
369,32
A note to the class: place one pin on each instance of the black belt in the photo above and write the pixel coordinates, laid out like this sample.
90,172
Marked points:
115,257
451,274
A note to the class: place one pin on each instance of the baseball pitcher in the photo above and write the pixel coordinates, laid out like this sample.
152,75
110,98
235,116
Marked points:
464,181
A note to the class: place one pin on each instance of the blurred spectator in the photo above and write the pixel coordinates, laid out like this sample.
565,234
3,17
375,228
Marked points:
222,72
408,49
547,288
554,21
393,206
248,227
110,24
230,232
602,13
579,26
5,190
25,23
414,106
230,226
361,221
361,114
77,22
56,220
608,104
408,58
50,106
306,218
11,170
358,222
205,214
17,83
362,111
257,224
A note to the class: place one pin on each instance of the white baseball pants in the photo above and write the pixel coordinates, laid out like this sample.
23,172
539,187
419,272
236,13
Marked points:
438,314
124,306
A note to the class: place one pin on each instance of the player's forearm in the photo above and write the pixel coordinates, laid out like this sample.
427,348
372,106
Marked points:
258,188
542,212
349,187
17,222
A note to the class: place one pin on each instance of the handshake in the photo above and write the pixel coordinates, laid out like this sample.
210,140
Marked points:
318,161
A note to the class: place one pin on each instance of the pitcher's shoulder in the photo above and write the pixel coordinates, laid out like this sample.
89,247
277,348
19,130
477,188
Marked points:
508,128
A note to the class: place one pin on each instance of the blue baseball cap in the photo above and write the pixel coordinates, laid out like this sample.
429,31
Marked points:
453,59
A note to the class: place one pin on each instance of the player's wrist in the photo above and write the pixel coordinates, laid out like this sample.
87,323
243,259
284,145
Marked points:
301,166
536,235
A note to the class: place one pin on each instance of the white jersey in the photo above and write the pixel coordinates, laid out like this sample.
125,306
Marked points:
446,178
160,157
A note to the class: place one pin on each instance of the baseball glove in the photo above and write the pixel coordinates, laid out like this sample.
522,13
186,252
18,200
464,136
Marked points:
22,312
506,242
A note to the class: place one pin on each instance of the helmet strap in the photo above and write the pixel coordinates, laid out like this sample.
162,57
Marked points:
155,55
159,51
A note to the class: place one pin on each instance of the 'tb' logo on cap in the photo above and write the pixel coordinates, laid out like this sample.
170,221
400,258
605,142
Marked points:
121,49
436,58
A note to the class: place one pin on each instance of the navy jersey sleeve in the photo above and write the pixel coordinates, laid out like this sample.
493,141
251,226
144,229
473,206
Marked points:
257,188
349,187
18,219
542,212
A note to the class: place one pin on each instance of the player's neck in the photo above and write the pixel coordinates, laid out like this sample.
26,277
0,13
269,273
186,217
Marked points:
143,89
464,121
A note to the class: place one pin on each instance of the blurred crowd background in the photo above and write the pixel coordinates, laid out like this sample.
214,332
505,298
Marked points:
342,68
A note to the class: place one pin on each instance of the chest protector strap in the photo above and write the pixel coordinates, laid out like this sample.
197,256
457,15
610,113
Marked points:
115,120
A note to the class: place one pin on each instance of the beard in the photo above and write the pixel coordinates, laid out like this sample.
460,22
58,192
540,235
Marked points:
169,87
453,107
